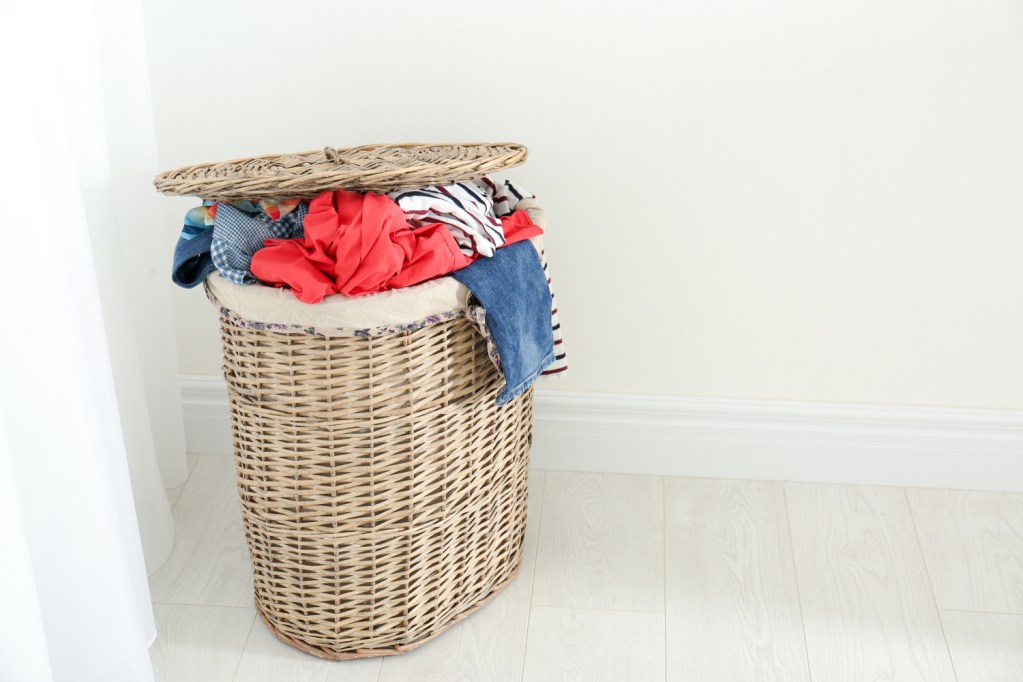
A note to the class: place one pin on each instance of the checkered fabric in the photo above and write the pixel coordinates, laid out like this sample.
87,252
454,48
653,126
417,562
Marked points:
237,235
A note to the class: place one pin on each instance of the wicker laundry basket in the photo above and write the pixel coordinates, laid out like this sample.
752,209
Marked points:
383,493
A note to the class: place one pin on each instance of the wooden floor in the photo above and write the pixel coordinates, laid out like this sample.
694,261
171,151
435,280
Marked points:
634,578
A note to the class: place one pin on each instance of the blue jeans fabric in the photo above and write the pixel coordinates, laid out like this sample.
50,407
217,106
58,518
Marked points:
228,245
512,287
192,258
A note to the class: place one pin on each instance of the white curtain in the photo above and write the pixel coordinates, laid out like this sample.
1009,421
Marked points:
90,415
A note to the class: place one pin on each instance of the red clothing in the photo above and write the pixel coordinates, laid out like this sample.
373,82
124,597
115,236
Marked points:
518,227
357,244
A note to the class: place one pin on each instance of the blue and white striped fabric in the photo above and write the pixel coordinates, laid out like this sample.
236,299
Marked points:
503,196
464,208
471,211
238,234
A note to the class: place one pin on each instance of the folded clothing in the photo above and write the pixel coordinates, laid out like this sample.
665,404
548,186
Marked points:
356,244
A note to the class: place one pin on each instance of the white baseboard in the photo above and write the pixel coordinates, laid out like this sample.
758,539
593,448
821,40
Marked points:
207,417
724,438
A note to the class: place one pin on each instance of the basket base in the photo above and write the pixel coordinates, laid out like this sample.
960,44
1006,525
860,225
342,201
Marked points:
321,652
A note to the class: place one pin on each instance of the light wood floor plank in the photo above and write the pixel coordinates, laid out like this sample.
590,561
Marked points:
489,644
198,643
601,542
732,604
209,563
986,647
174,493
868,610
267,659
866,599
567,645
973,546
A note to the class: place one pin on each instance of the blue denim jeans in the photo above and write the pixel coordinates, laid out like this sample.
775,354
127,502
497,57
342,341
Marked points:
192,258
512,287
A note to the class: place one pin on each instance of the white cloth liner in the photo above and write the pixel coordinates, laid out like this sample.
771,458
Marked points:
272,305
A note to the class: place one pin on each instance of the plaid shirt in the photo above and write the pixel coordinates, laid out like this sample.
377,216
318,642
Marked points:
238,234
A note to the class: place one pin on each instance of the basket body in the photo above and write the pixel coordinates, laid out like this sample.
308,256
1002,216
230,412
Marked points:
383,493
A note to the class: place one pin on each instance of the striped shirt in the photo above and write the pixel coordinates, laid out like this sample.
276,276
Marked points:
471,211
464,208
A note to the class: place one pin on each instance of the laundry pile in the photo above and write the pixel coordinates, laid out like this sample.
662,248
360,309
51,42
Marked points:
354,244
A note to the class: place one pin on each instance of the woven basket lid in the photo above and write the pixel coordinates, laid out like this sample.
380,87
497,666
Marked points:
371,168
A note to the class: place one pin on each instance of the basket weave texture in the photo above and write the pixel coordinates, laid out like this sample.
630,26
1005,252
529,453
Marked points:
383,493
370,168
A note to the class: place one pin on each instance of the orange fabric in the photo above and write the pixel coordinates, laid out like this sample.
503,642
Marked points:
357,244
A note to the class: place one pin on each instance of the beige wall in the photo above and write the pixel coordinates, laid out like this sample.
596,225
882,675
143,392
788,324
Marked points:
798,200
